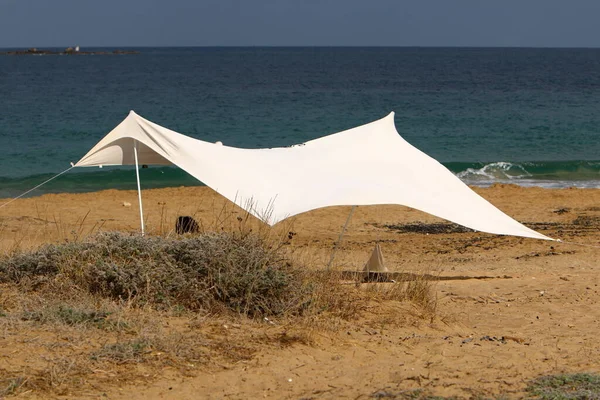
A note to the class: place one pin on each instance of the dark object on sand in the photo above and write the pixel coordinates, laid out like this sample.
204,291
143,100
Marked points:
186,224
433,228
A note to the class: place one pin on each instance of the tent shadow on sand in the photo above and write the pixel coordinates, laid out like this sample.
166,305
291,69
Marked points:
409,276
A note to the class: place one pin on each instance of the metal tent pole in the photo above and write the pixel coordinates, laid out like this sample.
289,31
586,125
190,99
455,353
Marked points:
137,175
340,238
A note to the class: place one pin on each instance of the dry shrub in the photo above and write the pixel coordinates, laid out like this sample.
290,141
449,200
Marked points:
240,272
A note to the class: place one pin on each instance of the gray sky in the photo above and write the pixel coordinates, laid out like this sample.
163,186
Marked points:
534,23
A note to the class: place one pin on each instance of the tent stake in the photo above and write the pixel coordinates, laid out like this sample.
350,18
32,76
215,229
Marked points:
137,175
340,238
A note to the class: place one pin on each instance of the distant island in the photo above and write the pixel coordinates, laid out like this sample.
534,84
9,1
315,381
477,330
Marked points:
68,51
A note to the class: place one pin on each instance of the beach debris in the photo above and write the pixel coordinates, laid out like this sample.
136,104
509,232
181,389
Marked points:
421,227
514,339
561,211
492,339
186,224
586,220
501,339
383,394
467,340
551,252
126,204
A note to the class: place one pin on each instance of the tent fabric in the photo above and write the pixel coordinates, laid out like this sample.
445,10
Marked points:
375,262
366,165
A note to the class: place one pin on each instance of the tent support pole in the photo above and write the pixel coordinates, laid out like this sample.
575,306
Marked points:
340,238
137,175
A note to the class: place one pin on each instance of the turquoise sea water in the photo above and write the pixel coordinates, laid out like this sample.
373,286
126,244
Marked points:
525,116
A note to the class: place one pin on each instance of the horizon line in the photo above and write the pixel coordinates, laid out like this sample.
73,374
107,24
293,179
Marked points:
305,46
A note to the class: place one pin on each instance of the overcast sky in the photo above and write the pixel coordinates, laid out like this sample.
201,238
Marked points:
531,23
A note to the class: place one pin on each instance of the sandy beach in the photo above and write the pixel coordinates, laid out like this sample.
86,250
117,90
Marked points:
540,296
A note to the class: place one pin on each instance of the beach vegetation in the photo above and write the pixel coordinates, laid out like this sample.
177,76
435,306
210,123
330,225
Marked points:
73,316
211,272
565,387
205,272
114,299
131,351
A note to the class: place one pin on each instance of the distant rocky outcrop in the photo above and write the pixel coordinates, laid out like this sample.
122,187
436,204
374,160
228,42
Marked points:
68,51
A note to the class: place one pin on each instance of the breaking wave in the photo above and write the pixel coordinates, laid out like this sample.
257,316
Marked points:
495,171
551,174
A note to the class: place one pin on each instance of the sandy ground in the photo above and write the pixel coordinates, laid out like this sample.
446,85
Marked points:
541,296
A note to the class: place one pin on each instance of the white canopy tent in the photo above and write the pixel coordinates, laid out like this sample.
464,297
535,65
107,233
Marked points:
370,164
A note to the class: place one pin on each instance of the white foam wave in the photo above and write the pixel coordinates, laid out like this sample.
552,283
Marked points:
509,173
496,171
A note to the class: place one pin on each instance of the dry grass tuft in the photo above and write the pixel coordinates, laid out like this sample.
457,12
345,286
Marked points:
420,290
10,385
73,316
131,351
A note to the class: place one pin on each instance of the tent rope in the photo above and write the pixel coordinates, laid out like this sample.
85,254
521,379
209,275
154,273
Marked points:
41,184
340,238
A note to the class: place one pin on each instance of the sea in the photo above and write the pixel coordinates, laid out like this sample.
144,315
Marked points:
524,116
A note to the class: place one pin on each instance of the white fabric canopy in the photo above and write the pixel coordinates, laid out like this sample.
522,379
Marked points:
370,164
